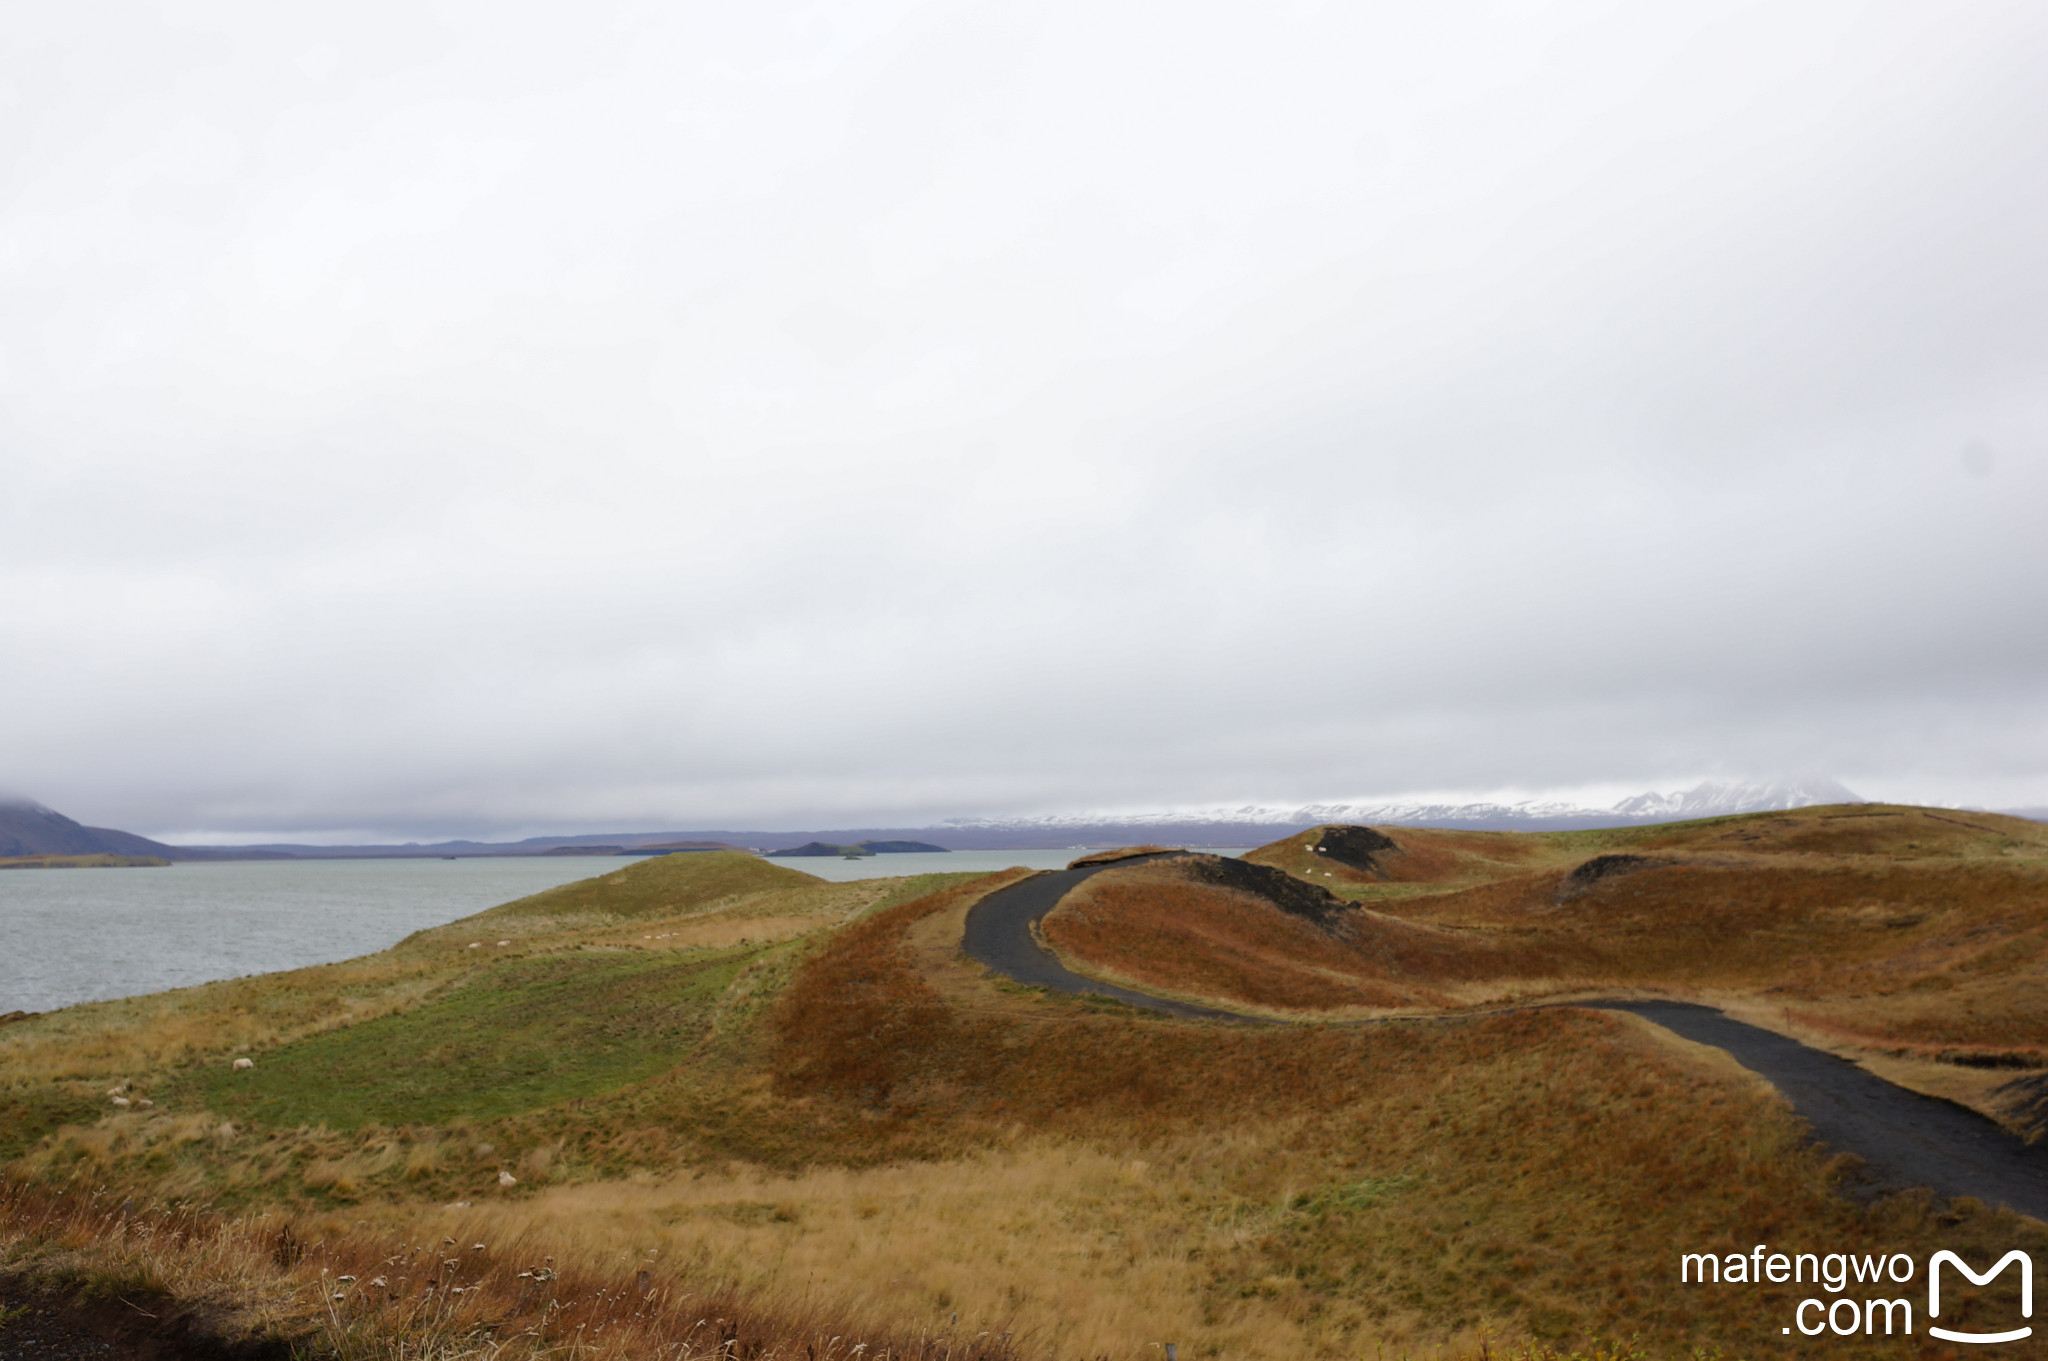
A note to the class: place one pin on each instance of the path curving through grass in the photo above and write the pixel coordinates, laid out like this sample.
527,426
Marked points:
1002,933
1903,1138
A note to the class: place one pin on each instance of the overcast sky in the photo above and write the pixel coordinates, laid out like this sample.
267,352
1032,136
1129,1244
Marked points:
424,419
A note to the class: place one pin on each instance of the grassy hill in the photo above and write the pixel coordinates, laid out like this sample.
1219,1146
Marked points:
799,1111
1913,939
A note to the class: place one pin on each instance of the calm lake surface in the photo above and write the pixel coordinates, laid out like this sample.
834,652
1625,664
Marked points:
85,935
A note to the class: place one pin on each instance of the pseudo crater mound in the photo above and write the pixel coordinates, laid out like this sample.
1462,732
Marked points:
1912,932
1201,925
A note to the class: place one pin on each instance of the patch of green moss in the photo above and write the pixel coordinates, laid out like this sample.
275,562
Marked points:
515,1038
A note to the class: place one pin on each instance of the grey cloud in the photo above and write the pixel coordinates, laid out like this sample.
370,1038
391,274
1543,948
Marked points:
485,419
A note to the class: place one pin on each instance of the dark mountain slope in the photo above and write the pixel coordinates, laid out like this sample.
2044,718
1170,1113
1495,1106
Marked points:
30,829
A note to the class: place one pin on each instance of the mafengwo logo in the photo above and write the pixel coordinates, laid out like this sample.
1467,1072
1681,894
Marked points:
1868,1292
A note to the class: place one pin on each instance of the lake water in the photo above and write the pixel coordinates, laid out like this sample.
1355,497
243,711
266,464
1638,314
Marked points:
84,935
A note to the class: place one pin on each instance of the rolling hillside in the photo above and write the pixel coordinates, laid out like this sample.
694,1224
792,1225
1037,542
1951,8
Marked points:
713,1087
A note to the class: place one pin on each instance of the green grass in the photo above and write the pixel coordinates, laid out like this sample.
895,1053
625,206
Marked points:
28,1113
918,885
666,884
512,1039
1352,1197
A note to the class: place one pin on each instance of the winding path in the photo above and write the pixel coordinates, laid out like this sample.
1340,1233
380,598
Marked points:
1904,1139
1000,933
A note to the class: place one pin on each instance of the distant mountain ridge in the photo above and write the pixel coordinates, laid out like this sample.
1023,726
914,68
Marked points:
31,829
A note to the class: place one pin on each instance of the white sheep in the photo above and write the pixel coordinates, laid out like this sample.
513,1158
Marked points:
121,1101
244,1065
506,1181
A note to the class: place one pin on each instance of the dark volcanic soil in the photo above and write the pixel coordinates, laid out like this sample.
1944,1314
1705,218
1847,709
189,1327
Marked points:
1582,879
37,1327
1295,897
1356,847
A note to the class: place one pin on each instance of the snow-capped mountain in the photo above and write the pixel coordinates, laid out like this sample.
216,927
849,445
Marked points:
1745,796
1706,800
1225,826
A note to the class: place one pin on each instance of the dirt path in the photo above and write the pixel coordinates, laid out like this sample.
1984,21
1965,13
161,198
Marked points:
1904,1139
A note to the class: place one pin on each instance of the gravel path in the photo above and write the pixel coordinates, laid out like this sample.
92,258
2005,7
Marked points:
999,934
1904,1139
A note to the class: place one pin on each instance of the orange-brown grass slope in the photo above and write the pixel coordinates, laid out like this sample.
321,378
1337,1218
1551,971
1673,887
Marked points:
1406,1184
1160,926
1890,830
1898,953
1416,855
1452,858
1910,928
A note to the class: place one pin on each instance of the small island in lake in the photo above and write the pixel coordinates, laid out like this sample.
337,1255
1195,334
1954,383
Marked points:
861,848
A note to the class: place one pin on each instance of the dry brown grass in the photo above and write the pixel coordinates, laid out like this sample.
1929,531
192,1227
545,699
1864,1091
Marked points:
1916,932
877,1131
1421,855
1907,955
1086,1248
1890,830
349,1293
1401,1186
